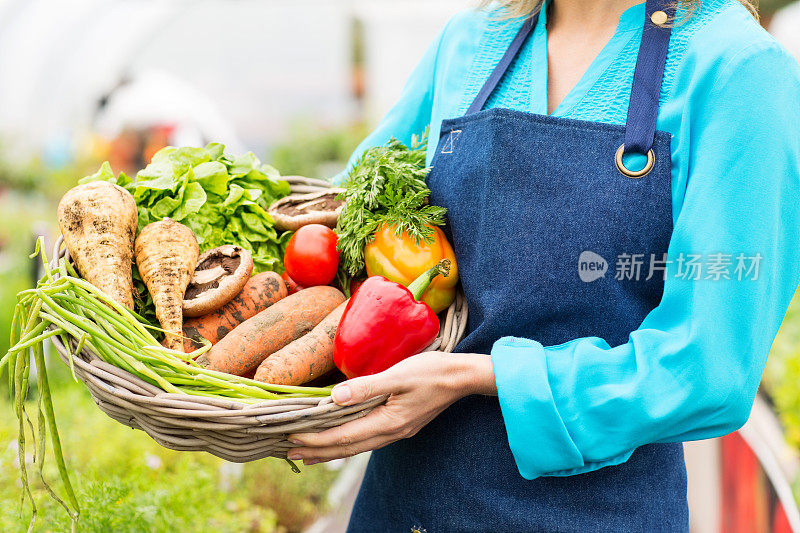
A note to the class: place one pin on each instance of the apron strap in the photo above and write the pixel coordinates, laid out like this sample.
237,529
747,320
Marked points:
498,72
640,127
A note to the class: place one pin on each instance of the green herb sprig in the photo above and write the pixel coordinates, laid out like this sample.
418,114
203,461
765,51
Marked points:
385,186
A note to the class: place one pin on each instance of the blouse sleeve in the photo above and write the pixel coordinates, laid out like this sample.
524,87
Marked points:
412,112
692,369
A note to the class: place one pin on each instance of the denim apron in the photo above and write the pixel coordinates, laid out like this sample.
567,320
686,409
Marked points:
534,203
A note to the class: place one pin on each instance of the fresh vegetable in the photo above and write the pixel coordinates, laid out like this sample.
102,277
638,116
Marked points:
400,259
220,274
355,283
298,210
260,291
222,198
311,256
98,223
385,323
166,254
386,186
83,316
243,349
291,284
304,359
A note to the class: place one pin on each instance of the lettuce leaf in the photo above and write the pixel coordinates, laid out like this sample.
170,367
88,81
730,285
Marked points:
222,198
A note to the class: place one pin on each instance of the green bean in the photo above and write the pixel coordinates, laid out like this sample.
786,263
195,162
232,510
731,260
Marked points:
21,391
41,447
107,314
95,331
40,250
38,339
33,332
97,348
9,358
53,429
230,379
97,294
14,322
123,356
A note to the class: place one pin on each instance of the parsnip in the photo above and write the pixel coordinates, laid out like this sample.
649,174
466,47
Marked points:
98,222
166,255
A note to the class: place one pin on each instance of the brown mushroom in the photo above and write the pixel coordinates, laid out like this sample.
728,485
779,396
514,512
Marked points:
297,210
220,274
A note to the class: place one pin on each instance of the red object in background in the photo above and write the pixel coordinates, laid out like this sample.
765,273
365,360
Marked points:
291,284
744,501
749,501
133,148
780,522
157,138
311,256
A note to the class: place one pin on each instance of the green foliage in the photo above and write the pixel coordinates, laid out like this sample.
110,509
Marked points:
316,152
222,198
385,186
782,376
767,7
19,213
128,483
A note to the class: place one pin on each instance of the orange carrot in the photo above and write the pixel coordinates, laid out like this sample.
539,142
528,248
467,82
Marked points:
304,359
261,291
252,341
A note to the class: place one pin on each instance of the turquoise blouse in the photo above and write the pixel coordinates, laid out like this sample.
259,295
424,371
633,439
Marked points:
731,101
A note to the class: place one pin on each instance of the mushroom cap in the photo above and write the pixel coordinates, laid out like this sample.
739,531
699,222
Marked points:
220,275
296,210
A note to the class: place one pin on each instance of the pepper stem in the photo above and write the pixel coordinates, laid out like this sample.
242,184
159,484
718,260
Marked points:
419,285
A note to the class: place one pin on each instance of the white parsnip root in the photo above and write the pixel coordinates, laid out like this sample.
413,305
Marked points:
98,222
166,255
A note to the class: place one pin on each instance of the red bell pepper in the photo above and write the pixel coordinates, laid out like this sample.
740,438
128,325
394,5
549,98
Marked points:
385,323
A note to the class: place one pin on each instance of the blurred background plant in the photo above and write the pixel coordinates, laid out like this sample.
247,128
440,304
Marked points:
128,483
314,152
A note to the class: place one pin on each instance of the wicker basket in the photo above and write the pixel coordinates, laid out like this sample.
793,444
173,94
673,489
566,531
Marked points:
232,430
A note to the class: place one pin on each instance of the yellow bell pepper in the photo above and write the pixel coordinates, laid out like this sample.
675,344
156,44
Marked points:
400,259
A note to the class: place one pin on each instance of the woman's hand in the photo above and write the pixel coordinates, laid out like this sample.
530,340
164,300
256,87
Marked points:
420,388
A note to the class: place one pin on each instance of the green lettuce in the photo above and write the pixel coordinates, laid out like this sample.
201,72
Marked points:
222,198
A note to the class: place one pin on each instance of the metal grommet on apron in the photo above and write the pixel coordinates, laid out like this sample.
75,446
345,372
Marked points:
527,195
648,166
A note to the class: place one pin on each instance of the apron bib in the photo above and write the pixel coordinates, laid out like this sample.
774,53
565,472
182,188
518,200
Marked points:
536,206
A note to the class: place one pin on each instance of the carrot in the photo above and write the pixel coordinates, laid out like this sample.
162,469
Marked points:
98,222
243,349
304,359
261,291
166,254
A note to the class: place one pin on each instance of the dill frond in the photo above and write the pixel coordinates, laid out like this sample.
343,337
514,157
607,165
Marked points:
385,186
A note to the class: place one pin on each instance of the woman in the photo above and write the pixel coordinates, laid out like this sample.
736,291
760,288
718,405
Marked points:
581,142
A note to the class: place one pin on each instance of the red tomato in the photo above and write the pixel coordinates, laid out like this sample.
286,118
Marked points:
311,255
291,284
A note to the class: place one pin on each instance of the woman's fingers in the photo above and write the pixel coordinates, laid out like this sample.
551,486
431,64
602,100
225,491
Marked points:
377,422
312,456
371,432
418,393
361,389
